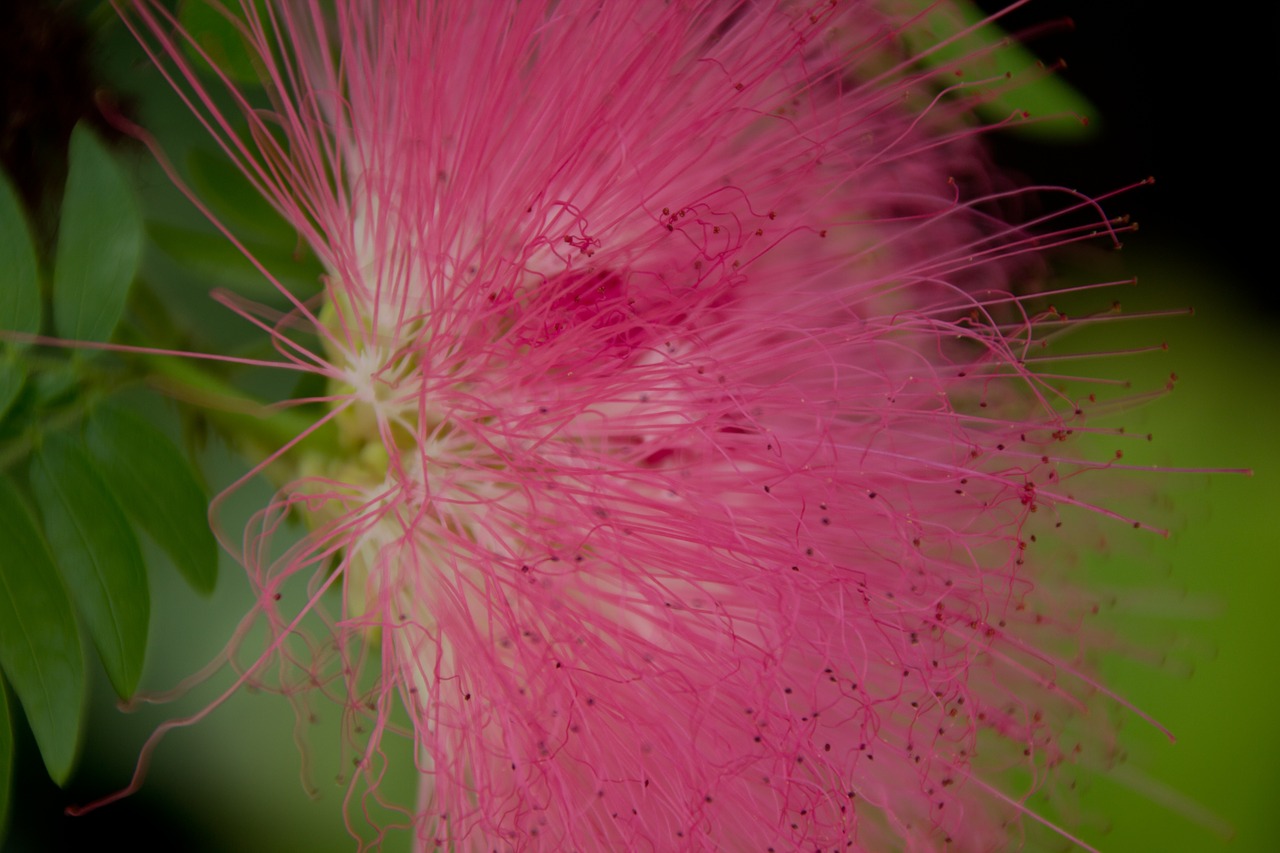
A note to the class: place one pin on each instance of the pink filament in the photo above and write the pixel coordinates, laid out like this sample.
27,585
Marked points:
702,338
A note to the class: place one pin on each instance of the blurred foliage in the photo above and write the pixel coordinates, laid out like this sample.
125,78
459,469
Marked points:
1009,84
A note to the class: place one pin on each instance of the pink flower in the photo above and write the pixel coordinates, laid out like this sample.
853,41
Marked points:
688,459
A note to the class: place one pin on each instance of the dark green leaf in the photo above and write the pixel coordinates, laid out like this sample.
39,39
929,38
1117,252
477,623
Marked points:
99,243
220,40
39,641
13,375
6,759
54,384
235,201
213,256
158,489
98,556
20,285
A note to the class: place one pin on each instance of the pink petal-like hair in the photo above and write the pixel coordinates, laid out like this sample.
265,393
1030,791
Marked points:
699,348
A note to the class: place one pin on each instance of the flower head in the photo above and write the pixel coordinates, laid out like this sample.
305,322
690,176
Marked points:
687,459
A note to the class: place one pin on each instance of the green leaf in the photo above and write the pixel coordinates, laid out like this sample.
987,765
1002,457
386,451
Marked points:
39,641
99,242
213,256
220,40
55,384
158,489
13,375
6,759
1038,92
235,201
98,556
19,270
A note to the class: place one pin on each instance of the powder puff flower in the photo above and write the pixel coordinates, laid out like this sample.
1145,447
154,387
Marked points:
685,456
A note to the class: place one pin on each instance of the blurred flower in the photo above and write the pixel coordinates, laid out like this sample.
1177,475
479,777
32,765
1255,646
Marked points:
687,455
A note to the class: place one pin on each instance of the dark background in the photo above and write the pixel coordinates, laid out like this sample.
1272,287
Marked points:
1186,98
